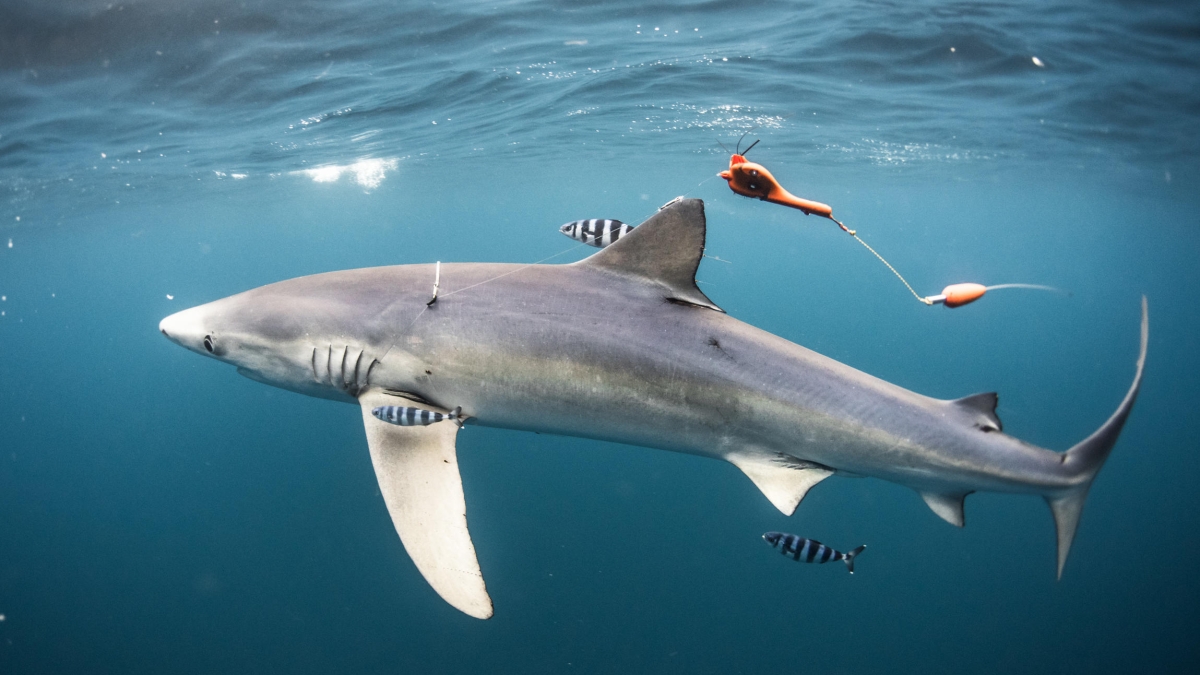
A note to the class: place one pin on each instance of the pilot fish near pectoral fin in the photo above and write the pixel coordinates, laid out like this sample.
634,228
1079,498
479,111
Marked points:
417,469
666,250
783,481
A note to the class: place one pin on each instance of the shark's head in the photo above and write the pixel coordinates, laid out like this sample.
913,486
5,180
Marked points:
256,332
199,329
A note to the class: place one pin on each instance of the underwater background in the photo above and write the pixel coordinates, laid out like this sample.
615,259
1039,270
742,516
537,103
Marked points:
159,513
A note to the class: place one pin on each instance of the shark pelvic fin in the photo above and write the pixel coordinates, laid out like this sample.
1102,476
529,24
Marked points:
665,249
783,480
417,468
948,507
983,408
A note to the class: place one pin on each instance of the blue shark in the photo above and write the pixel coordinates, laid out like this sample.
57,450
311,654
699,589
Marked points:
621,346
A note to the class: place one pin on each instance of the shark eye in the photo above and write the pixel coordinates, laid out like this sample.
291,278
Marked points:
208,343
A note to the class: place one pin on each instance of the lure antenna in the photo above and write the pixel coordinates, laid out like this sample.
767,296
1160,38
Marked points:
722,145
743,137
747,150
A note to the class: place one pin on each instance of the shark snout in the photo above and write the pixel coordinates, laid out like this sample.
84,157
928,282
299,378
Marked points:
187,330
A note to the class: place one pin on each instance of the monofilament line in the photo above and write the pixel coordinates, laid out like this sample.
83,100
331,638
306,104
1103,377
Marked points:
501,276
854,233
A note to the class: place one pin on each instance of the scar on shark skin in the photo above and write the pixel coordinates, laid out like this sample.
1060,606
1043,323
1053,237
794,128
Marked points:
714,342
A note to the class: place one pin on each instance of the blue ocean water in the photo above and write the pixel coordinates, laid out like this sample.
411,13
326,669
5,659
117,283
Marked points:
159,513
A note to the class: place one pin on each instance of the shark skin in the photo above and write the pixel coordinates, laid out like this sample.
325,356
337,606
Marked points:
623,347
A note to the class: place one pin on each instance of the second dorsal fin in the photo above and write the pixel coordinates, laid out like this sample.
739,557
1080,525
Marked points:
666,250
983,408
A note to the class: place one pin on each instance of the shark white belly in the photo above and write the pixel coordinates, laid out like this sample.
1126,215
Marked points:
623,347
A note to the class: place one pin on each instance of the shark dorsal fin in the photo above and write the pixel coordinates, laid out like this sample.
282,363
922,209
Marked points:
983,406
665,249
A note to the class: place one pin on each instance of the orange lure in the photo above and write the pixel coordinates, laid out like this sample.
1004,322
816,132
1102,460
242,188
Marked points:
750,179
753,180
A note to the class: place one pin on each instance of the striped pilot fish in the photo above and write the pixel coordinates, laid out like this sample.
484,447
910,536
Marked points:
810,550
598,232
413,417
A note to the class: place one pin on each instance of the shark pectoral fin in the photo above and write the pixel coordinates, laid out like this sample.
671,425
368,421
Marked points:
783,480
417,468
665,249
948,507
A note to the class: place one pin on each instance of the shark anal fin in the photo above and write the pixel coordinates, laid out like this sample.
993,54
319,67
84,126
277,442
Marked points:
983,407
782,480
417,469
665,249
948,507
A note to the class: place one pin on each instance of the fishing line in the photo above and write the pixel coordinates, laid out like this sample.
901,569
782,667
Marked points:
568,250
854,233
954,295
682,196
437,280
563,252
501,276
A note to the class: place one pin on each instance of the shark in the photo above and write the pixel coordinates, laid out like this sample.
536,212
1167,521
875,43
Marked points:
621,346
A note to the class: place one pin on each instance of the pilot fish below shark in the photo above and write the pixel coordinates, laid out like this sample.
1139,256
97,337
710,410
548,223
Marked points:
644,357
810,550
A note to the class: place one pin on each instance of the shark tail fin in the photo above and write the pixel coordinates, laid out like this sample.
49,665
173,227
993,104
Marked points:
1089,455
849,559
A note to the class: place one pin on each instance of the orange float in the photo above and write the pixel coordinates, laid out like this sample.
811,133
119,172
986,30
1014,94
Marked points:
957,295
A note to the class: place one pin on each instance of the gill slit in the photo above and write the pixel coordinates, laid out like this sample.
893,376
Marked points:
367,378
357,385
329,364
345,353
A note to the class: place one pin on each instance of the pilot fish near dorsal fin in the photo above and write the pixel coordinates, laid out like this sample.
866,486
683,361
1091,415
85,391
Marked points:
983,407
665,249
